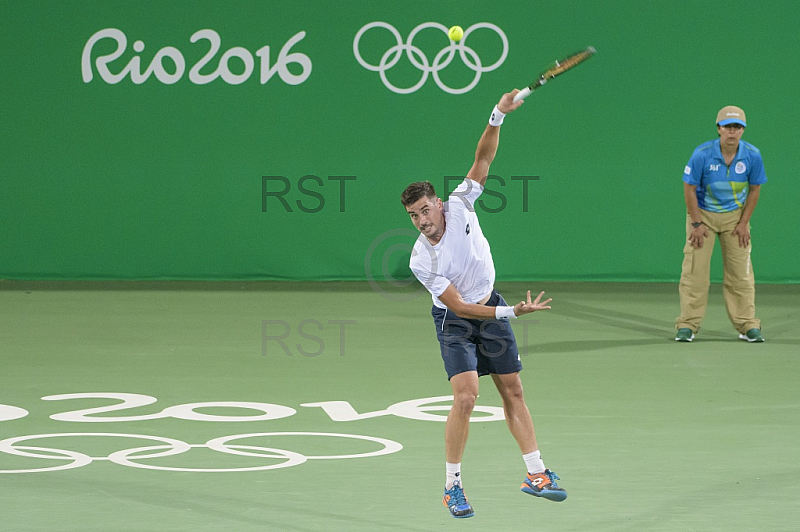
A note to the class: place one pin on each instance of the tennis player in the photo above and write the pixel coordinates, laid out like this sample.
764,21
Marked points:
453,260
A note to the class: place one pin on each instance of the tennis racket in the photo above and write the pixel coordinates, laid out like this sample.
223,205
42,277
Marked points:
559,67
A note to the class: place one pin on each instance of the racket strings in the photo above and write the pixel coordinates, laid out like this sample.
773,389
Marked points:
566,64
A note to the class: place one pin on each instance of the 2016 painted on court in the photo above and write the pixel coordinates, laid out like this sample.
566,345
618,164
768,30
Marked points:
419,409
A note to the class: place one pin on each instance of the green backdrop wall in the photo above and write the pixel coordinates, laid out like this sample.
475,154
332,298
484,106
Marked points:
287,162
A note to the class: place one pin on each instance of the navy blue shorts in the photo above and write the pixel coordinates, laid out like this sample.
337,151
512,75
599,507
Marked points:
485,346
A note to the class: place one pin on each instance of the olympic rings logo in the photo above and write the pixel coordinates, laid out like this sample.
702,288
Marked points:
132,457
418,58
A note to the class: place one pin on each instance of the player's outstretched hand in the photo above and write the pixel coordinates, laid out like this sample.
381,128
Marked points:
526,307
507,103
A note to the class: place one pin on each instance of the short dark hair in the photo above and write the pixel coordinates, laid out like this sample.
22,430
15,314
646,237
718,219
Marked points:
415,191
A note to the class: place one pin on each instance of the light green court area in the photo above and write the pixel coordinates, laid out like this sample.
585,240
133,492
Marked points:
302,394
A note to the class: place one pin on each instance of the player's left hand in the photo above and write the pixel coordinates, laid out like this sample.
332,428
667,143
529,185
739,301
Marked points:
507,103
526,307
743,233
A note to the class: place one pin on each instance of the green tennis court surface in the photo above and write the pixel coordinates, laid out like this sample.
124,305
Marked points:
277,406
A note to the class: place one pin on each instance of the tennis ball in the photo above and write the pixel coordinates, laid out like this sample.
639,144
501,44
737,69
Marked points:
455,33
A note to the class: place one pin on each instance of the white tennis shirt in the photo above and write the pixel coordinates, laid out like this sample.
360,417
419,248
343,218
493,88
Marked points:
462,257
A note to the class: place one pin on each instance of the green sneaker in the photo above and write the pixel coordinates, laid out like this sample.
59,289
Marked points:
686,335
753,335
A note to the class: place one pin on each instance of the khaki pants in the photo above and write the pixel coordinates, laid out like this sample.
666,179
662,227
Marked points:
738,279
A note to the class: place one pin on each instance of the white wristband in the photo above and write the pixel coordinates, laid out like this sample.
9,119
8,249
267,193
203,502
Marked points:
504,313
497,117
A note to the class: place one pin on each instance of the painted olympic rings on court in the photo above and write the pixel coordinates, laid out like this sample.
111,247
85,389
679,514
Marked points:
170,447
418,58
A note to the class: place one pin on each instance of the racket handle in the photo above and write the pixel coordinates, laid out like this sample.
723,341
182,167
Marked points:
524,93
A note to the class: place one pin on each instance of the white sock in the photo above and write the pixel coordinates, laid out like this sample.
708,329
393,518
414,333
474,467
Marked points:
453,474
533,461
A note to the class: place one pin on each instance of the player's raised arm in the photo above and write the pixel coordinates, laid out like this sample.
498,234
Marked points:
487,145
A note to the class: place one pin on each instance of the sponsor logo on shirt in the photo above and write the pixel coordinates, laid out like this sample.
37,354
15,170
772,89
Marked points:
467,231
740,167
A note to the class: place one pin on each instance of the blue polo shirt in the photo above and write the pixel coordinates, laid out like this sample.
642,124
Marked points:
723,188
